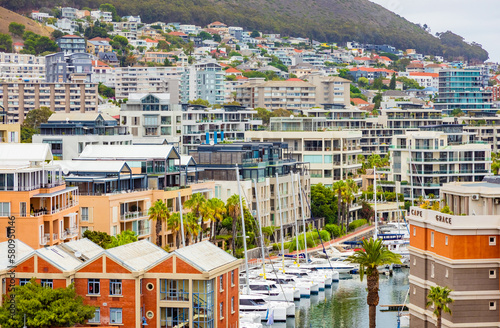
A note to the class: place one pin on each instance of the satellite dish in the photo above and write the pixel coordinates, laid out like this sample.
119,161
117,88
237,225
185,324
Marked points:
65,171
291,116
212,143
78,254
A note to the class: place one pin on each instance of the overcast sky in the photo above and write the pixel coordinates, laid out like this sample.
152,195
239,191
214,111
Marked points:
475,20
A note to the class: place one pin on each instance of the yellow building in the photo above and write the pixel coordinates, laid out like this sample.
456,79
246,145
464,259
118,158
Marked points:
10,132
95,47
36,206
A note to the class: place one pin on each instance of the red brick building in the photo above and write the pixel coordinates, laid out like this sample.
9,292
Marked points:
138,283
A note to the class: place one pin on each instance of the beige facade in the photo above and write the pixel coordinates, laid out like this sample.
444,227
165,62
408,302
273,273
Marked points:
14,67
272,95
331,89
10,132
19,98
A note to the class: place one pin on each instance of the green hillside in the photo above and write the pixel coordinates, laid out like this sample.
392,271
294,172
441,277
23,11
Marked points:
323,20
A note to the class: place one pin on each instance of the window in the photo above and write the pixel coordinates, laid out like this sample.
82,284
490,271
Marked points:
85,213
232,278
97,316
174,317
446,274
47,283
22,209
4,209
446,240
414,290
493,274
174,290
232,304
432,238
432,270
94,286
204,307
221,310
414,261
414,231
493,305
221,283
23,281
115,315
493,240
115,287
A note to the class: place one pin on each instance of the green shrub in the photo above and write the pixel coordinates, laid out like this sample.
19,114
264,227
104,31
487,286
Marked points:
356,224
334,230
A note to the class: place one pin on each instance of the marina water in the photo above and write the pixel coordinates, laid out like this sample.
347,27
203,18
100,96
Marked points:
344,305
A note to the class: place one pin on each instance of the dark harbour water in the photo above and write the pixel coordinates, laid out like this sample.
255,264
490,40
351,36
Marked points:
344,305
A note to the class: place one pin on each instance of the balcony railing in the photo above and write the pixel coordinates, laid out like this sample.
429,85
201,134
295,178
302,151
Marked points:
143,232
69,232
130,216
44,240
59,209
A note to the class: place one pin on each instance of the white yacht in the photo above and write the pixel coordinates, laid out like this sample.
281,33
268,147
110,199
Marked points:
271,290
260,304
304,287
331,264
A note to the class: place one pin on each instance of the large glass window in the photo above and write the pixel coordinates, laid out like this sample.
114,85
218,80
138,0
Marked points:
94,286
174,290
115,314
174,317
314,159
203,303
4,209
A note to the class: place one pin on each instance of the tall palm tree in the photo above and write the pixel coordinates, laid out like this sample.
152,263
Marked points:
174,224
350,191
214,210
159,213
233,209
196,205
439,297
338,188
192,227
373,255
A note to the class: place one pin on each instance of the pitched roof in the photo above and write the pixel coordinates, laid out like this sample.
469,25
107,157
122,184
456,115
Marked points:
139,255
176,33
359,101
241,77
294,79
23,251
205,256
217,23
232,70
75,167
76,116
424,74
31,152
128,152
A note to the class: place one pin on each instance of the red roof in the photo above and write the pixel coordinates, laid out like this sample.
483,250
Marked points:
18,44
294,79
362,58
424,74
371,69
176,33
116,117
359,101
100,64
150,41
385,58
224,65
297,50
241,77
71,36
100,39
218,23
232,70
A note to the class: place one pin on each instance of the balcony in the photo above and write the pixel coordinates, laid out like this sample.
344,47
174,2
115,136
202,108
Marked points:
44,240
143,232
131,216
70,232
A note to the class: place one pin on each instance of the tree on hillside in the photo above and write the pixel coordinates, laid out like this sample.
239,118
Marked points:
363,82
5,43
372,255
45,307
264,114
17,29
35,44
56,34
31,124
409,83
110,8
324,203
392,84
255,34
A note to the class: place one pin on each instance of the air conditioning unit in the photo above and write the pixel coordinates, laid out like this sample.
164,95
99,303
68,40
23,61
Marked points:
475,197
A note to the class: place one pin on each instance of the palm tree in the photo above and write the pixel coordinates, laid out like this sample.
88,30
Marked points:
196,205
338,188
174,224
214,210
192,227
439,298
159,213
350,191
233,209
373,255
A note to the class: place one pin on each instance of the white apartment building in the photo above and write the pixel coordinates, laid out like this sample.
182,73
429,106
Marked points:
424,160
20,67
486,128
152,115
330,89
129,80
18,98
104,16
202,125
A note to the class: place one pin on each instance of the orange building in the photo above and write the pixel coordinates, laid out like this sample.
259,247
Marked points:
139,284
32,190
460,251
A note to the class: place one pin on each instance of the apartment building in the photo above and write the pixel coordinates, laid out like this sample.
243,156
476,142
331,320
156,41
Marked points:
139,284
332,154
16,67
425,160
202,125
463,88
203,80
258,162
96,46
8,132
149,115
20,97
71,44
61,67
458,250
484,126
32,190
272,95
129,80
69,133
331,89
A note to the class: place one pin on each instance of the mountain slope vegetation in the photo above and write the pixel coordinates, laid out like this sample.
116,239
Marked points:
322,20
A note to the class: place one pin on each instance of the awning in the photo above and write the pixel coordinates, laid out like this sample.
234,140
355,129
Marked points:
56,193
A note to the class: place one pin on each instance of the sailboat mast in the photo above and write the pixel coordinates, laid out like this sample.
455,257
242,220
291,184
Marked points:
303,216
260,229
375,234
295,218
243,228
182,220
281,222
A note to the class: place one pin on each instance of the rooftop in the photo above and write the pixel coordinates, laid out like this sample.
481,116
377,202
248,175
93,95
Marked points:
128,152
